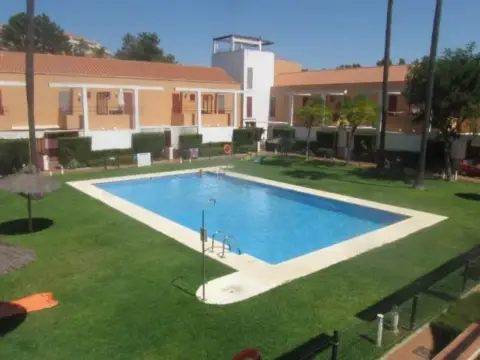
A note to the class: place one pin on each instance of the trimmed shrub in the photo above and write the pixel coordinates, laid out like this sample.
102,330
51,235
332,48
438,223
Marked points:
152,143
326,139
74,148
190,141
213,149
405,159
168,138
244,136
13,155
257,133
243,149
270,146
284,131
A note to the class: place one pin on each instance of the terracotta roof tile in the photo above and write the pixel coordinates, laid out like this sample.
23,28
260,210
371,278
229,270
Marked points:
364,75
14,62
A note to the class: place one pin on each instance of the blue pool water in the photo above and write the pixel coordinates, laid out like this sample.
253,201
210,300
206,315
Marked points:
269,223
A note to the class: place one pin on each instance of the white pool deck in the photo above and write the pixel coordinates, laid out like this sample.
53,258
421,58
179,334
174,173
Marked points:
254,276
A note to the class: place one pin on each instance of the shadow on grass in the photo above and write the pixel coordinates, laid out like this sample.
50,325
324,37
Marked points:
182,288
309,349
422,284
11,317
468,196
20,226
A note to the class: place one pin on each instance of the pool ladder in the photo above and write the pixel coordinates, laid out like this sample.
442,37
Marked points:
225,242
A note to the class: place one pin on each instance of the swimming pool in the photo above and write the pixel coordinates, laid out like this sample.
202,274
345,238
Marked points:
269,223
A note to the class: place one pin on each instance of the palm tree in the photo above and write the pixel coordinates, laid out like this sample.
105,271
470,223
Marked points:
29,74
419,183
386,66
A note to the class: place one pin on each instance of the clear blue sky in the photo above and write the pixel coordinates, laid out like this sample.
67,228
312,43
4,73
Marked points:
317,33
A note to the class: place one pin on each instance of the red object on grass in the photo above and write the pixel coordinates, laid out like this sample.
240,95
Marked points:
470,168
248,354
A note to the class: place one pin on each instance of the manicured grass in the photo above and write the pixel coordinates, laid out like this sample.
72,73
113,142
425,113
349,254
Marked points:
115,278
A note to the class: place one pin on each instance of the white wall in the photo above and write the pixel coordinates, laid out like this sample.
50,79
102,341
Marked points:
19,134
263,64
232,62
217,134
402,142
114,139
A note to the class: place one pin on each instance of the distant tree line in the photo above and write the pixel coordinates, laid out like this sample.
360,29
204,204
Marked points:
50,38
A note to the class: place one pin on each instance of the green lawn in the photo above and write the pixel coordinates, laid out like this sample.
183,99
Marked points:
114,277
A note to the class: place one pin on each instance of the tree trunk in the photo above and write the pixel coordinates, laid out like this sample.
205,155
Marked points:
350,139
446,154
308,143
386,66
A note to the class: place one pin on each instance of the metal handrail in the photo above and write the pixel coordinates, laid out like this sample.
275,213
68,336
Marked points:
225,242
213,238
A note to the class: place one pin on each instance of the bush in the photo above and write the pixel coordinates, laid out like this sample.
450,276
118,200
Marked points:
13,155
244,136
405,159
190,141
168,138
326,139
284,132
152,143
257,133
78,148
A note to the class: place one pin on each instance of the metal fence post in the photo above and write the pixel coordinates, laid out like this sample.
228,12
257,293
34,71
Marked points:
413,314
396,319
335,344
379,329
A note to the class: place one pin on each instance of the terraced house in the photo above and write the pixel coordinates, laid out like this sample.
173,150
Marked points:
110,99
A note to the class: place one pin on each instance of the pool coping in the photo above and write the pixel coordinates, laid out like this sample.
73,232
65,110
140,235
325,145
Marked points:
253,275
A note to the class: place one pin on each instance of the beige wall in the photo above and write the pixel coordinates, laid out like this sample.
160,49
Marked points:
285,66
155,107
401,122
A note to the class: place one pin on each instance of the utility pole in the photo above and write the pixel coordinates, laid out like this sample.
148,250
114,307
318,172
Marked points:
420,181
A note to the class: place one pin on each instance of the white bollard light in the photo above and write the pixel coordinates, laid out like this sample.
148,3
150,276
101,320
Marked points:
396,319
379,329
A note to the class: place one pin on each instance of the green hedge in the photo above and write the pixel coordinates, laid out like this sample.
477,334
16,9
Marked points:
326,139
168,138
190,141
213,149
244,136
13,155
257,133
243,149
152,143
77,149
286,131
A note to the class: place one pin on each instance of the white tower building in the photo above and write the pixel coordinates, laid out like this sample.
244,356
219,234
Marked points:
247,62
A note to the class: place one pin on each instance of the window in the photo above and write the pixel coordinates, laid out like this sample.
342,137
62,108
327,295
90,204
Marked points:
392,103
249,78
272,107
249,107
304,100
221,104
176,103
2,110
192,97
207,104
65,100
102,102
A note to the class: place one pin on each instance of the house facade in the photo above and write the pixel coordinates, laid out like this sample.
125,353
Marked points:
110,99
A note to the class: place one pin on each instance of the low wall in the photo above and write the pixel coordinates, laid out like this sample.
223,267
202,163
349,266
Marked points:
217,134
111,139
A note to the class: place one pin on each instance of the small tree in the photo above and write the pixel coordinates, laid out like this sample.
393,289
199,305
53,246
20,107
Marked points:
456,94
81,48
356,111
143,47
315,112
